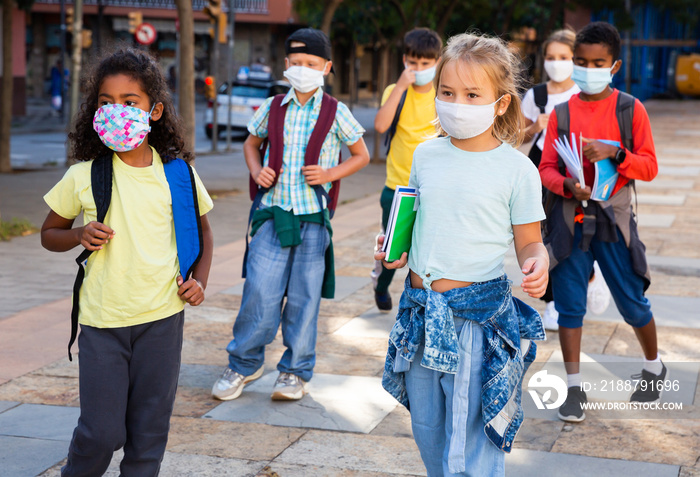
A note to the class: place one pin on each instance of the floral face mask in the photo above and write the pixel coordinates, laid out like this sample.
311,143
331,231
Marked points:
122,128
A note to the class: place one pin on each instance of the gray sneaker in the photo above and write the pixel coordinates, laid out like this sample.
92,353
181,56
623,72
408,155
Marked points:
230,384
288,387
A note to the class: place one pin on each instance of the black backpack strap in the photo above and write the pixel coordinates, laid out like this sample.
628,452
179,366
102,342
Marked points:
394,123
101,179
624,110
540,93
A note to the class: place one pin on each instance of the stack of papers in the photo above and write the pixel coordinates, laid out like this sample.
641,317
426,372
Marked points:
399,229
605,171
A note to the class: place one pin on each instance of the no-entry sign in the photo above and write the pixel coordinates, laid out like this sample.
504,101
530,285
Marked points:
145,34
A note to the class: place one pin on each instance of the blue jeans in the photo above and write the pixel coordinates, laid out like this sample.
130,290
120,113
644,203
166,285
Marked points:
274,272
570,282
431,395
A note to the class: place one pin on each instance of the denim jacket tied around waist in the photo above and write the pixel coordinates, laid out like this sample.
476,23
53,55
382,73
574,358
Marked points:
509,325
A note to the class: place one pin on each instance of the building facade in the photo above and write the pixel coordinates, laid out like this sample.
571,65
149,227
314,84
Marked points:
261,27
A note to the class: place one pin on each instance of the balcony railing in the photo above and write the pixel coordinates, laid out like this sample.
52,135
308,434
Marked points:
241,6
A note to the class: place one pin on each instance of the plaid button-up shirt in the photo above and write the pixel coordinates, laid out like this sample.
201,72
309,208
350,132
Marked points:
291,191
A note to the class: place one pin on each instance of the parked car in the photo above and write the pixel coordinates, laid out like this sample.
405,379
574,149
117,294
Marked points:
247,96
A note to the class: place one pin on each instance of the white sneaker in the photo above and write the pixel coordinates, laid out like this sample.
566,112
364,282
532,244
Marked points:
288,387
230,384
550,317
598,292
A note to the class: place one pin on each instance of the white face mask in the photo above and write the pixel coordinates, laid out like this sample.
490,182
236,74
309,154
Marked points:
560,70
592,80
424,77
464,121
304,79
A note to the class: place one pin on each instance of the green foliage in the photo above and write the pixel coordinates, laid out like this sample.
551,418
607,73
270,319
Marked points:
15,228
371,20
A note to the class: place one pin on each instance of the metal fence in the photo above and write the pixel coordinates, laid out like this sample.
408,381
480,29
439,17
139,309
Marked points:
241,6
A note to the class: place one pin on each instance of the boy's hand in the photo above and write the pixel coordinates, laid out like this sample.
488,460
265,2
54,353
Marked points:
541,122
406,79
574,186
536,277
316,175
378,255
94,235
190,291
597,151
265,177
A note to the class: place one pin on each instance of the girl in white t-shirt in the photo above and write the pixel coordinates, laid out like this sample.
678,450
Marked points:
461,342
558,52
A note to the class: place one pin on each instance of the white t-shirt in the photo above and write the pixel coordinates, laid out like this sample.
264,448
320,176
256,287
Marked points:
469,202
531,111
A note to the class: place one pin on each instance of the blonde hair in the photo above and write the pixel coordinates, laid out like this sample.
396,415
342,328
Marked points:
501,66
566,37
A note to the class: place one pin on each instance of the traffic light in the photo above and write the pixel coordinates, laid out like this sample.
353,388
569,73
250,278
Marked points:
87,38
213,9
210,88
223,23
70,18
135,19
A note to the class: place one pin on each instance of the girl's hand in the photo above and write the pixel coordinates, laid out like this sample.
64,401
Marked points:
94,235
541,122
316,175
265,177
190,291
597,151
536,277
574,186
378,255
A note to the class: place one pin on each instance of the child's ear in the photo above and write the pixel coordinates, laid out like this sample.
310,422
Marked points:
502,105
157,111
286,63
616,67
327,68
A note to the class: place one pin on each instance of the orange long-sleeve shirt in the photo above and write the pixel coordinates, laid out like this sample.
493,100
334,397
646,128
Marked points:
597,120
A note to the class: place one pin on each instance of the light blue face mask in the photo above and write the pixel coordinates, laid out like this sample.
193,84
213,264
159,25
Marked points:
592,80
425,76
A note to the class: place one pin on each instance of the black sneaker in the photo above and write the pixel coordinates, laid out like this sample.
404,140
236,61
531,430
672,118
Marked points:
649,387
383,301
572,409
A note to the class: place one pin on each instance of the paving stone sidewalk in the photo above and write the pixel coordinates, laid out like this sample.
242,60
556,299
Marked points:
347,425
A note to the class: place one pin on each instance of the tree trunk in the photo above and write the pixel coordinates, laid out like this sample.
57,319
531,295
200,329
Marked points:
186,70
328,11
76,57
6,112
381,86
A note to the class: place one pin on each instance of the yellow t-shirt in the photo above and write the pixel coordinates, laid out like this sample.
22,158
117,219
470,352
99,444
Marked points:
132,280
414,126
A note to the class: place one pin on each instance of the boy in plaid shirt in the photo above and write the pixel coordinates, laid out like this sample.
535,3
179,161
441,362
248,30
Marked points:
291,231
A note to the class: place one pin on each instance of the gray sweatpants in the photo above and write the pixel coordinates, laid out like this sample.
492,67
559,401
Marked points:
128,379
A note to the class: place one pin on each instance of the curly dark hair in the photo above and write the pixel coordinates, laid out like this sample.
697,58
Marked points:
167,134
600,33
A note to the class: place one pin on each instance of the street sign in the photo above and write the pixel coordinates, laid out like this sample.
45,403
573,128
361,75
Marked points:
145,33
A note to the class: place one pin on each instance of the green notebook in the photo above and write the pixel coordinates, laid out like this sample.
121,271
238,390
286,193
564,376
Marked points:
399,229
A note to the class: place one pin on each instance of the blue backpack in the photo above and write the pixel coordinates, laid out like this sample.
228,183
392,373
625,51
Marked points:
188,226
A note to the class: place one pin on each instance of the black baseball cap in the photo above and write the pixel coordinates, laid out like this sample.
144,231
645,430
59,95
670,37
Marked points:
315,43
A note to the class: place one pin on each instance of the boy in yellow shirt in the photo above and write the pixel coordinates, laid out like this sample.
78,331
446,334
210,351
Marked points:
406,114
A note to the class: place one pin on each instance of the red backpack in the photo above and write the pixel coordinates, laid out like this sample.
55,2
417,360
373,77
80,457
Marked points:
275,141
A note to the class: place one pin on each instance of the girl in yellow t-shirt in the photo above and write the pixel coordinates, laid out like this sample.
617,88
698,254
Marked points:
131,302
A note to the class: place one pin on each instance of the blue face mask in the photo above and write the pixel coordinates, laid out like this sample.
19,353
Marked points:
592,80
426,76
